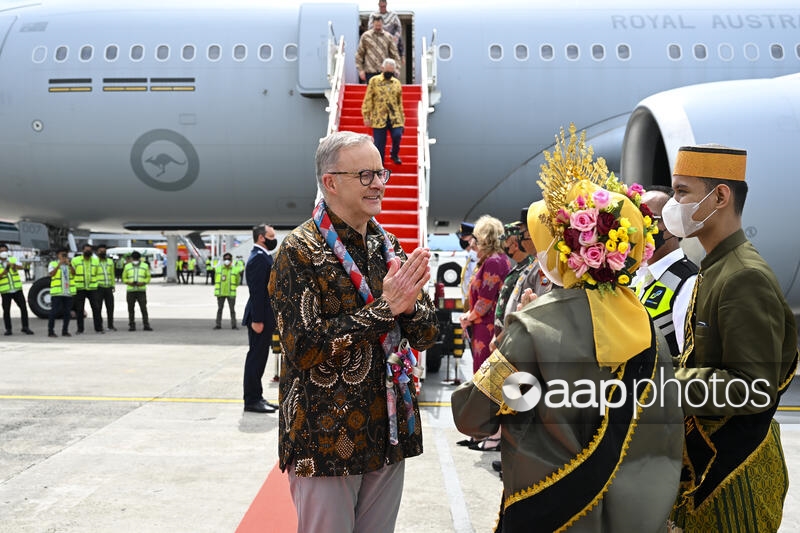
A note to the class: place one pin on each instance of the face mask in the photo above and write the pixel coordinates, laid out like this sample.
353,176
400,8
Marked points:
87,255
678,217
101,255
227,262
659,240
271,244
3,255
553,276
388,75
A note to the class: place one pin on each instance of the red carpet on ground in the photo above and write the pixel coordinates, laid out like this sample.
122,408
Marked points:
273,510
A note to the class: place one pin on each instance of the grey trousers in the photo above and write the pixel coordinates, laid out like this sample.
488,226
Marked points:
367,503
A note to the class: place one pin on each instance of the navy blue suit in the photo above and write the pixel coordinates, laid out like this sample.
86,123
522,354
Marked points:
258,309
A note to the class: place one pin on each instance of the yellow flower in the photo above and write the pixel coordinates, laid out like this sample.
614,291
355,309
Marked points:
623,279
588,279
611,245
647,221
649,239
563,257
612,234
624,222
623,236
563,248
623,247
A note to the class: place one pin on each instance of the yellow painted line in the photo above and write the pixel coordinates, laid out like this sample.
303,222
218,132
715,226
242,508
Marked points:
178,88
70,89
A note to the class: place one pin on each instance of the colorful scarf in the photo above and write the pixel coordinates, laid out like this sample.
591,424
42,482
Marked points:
400,360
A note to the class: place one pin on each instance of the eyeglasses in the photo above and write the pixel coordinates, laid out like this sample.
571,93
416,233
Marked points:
366,176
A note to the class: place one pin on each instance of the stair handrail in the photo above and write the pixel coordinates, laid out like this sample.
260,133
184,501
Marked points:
335,94
423,142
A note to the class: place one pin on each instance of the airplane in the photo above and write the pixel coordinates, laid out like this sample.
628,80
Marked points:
175,115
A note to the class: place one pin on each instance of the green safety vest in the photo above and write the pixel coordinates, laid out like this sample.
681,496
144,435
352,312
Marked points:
86,275
132,273
10,280
192,264
660,295
226,280
55,281
104,274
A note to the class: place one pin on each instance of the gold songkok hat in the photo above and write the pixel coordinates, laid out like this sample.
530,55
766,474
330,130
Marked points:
711,161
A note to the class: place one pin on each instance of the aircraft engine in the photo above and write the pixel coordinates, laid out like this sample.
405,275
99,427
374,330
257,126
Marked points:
761,116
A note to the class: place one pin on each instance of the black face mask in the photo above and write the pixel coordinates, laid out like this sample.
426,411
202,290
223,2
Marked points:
87,255
388,75
464,244
101,255
659,240
270,244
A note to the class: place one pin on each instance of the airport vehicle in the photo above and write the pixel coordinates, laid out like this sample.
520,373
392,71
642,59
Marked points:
205,115
155,257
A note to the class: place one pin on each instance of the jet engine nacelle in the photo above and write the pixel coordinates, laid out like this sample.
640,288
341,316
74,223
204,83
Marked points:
761,116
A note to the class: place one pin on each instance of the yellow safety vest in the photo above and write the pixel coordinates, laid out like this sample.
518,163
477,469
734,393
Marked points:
10,280
226,280
85,275
136,273
56,289
104,274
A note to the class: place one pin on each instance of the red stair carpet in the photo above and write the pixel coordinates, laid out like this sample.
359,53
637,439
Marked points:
400,203
273,510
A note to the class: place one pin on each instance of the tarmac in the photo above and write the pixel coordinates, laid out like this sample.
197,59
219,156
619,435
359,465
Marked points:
145,432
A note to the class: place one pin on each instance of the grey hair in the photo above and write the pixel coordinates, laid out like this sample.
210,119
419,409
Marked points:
328,150
389,61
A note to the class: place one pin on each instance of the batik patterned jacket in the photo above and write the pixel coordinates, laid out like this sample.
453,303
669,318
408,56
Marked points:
333,415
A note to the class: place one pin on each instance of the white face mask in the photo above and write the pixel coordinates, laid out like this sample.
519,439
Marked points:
227,262
3,255
135,263
678,217
554,276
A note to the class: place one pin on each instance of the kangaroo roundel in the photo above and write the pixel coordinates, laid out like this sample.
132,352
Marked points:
165,160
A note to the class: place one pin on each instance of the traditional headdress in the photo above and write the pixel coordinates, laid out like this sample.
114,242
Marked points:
595,232
711,161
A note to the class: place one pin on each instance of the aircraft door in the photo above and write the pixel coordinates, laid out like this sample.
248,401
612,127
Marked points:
6,21
314,36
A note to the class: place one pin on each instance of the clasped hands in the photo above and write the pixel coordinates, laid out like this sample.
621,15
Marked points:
402,283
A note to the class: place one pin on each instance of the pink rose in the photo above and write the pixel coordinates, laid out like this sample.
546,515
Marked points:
593,255
584,220
581,201
576,263
648,252
601,198
616,261
635,189
562,215
588,237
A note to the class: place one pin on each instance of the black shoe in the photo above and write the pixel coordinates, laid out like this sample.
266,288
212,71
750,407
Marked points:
497,466
111,328
8,333
147,328
79,332
234,327
486,445
467,442
261,406
217,327
397,161
52,334
99,331
26,331
131,328
65,334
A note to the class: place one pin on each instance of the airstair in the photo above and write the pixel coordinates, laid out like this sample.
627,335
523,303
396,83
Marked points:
405,204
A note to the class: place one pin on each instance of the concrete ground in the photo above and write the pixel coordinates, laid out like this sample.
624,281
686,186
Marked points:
144,432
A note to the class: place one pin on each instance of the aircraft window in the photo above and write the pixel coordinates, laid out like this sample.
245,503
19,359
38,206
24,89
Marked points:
797,51
495,52
112,51
86,52
751,51
674,51
546,52
188,52
521,52
265,52
240,52
725,52
39,54
137,52
446,52
214,52
61,53
598,51
700,52
623,52
573,52
162,52
290,52
777,51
